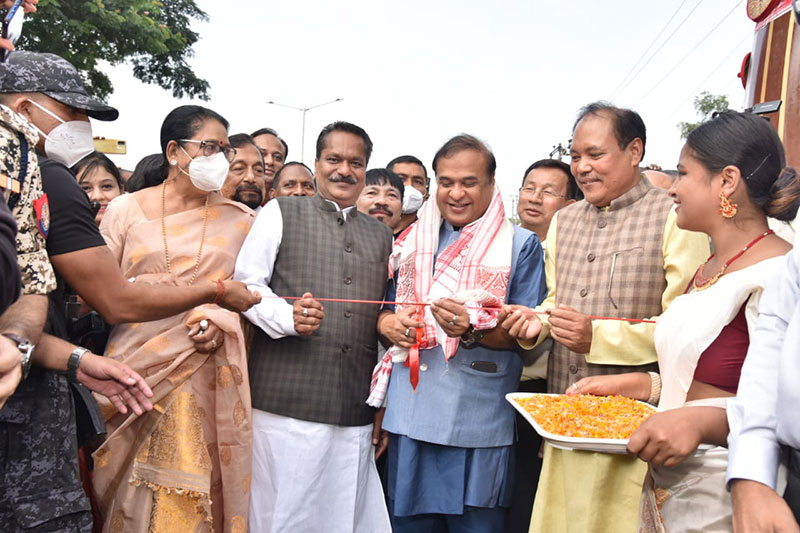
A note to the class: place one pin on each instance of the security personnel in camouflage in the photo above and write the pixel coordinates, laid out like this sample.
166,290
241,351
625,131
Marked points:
19,169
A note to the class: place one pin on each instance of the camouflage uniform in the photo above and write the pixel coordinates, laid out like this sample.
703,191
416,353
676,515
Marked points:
29,206
41,487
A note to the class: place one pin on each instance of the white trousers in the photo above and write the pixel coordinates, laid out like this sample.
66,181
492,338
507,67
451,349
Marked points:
310,477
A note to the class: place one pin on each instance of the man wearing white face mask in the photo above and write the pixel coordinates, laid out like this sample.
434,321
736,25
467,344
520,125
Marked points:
416,181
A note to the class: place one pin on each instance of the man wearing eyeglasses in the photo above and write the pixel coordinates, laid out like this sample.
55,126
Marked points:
618,253
547,186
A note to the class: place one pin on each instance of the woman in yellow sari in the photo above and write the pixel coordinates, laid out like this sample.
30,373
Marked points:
185,465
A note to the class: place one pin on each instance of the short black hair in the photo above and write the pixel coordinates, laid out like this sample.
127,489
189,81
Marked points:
93,161
414,161
406,159
462,142
284,167
346,127
384,176
573,192
270,131
628,125
239,140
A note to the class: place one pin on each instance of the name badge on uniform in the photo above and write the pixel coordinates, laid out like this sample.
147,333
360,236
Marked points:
42,208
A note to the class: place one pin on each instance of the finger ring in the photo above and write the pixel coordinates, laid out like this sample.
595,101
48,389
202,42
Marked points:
305,312
213,344
204,324
408,332
575,385
453,320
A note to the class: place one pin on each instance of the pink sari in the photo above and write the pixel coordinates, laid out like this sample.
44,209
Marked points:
185,465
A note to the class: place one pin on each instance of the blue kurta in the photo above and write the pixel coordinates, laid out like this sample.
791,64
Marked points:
452,438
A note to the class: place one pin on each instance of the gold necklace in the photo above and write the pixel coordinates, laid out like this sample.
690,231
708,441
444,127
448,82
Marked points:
164,233
701,283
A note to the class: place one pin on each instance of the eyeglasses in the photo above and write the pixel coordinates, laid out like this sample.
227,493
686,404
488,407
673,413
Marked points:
546,193
210,148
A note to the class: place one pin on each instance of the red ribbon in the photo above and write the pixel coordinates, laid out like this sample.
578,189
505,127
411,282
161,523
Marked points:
413,353
423,304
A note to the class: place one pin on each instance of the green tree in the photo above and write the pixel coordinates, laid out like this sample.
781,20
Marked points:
706,105
154,36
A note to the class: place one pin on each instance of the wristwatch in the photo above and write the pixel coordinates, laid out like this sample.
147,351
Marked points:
74,362
472,336
25,350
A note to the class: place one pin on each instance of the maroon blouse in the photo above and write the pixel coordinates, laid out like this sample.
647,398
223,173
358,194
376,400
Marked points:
720,364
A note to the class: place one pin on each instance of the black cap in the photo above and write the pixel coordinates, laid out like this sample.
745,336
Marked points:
34,72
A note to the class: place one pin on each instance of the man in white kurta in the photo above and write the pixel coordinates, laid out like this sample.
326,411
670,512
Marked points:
310,365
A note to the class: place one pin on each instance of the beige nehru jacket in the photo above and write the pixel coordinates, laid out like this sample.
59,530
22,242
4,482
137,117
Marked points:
627,260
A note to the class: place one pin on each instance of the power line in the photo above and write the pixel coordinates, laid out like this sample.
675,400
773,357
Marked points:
662,45
679,63
614,92
699,85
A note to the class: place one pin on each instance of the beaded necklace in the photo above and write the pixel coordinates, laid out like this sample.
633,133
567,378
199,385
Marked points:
164,233
701,284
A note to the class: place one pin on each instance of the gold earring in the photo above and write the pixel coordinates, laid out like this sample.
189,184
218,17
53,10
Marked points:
727,208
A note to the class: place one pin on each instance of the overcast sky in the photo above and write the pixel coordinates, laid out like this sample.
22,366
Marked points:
414,73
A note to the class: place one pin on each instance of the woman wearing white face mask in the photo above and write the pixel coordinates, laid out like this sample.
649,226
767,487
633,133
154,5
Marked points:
191,456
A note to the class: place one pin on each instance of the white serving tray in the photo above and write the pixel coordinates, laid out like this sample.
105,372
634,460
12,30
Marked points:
567,443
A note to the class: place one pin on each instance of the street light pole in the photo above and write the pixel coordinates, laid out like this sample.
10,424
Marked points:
304,110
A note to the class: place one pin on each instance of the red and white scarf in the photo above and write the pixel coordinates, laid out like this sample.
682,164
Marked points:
474,270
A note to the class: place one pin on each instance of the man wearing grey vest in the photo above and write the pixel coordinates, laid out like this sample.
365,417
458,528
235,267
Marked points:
450,458
617,253
310,366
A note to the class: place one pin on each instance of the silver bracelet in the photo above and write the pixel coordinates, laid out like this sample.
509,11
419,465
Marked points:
74,362
655,388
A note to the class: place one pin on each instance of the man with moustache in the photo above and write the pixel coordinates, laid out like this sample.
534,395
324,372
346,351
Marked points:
245,181
416,182
274,150
451,430
293,179
618,253
310,367
382,197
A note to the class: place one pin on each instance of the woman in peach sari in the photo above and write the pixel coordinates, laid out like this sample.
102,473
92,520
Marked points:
185,465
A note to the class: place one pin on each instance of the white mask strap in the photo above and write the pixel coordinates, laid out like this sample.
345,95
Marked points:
43,108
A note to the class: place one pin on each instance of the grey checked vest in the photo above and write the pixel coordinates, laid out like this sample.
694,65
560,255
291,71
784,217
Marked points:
324,377
609,262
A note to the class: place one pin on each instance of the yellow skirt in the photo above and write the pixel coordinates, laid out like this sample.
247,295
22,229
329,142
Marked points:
585,492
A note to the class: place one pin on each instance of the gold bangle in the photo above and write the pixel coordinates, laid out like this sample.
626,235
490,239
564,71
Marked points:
655,388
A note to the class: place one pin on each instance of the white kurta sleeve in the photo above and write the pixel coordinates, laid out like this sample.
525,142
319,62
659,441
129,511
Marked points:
753,414
254,267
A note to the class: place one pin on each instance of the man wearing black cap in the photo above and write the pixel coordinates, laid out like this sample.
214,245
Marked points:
41,488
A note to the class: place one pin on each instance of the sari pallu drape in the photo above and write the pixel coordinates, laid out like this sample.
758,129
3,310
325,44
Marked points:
692,496
185,465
